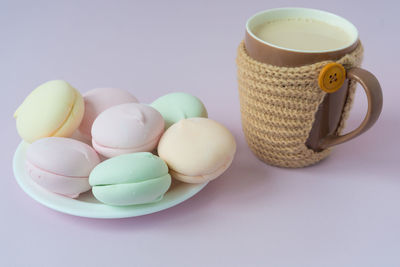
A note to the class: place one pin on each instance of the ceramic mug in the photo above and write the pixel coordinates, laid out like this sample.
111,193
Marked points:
328,116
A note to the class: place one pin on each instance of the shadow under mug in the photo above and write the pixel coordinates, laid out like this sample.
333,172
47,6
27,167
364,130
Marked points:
327,119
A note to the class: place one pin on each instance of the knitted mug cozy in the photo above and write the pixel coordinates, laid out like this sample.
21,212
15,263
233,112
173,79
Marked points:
278,107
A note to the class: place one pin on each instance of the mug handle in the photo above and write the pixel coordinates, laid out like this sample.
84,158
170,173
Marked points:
373,91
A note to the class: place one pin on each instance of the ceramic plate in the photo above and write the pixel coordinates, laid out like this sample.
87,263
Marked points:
86,205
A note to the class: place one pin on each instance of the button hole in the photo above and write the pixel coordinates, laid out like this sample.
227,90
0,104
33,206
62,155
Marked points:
330,76
330,81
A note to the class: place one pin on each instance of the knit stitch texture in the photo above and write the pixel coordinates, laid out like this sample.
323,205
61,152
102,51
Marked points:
278,107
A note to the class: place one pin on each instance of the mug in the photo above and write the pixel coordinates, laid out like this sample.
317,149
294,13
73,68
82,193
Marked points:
294,102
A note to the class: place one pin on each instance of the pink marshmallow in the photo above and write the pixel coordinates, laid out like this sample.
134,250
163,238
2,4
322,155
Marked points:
98,100
127,128
61,165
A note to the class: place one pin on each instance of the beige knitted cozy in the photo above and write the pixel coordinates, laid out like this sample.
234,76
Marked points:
278,107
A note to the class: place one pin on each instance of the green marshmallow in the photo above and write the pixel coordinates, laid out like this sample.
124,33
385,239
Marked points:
177,106
130,179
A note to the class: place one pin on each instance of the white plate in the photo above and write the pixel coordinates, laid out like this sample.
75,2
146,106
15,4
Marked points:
86,205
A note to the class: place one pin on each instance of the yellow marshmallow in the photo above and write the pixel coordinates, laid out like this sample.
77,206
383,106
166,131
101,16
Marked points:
54,108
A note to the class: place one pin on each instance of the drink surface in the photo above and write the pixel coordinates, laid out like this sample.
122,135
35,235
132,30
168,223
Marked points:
303,34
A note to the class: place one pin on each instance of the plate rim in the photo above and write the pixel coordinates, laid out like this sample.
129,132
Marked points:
130,211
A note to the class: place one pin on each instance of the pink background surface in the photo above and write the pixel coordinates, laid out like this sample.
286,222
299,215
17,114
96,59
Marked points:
341,212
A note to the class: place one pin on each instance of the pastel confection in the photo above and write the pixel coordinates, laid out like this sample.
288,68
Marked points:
197,150
61,165
130,179
54,108
177,106
127,128
77,135
98,100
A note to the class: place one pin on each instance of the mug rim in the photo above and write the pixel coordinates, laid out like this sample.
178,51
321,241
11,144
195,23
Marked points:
321,15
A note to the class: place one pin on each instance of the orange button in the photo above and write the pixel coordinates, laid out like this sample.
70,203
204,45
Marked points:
331,77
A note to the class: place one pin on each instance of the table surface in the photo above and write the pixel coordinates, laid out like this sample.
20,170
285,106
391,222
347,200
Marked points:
341,212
